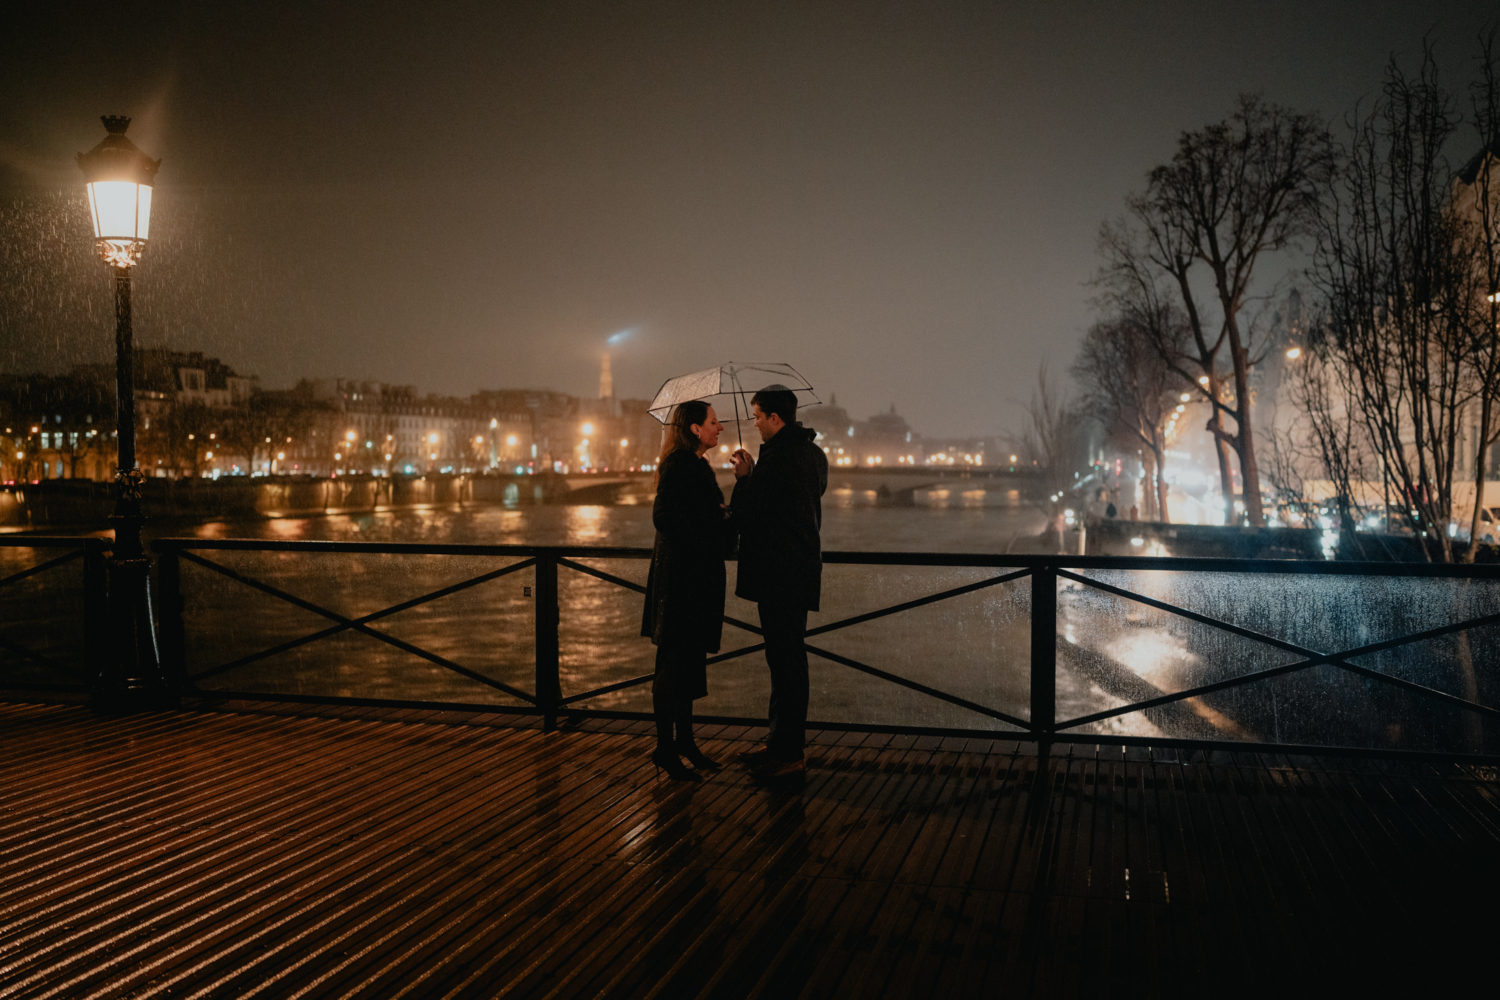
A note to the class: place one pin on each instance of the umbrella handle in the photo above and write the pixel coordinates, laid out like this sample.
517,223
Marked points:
734,386
737,433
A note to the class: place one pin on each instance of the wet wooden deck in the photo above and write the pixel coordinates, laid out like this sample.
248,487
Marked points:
239,853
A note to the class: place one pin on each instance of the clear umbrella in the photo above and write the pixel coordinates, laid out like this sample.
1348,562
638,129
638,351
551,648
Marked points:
729,387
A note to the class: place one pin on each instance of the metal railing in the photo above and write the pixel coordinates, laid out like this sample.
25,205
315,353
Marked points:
1043,572
91,618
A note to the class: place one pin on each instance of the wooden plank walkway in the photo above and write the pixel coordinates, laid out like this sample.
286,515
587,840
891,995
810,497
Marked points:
248,852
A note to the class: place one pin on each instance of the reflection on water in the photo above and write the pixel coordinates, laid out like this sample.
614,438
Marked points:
587,525
847,525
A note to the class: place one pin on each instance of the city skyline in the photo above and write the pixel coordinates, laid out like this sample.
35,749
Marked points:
201,418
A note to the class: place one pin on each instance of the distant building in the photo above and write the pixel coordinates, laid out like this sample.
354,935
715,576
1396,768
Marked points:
887,439
883,440
573,434
381,429
834,428
56,427
185,404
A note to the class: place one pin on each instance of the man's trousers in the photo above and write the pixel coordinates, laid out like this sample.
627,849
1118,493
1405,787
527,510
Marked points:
784,629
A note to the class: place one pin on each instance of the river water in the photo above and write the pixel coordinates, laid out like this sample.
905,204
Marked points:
1111,650
976,646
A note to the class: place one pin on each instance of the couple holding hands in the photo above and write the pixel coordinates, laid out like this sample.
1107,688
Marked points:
775,512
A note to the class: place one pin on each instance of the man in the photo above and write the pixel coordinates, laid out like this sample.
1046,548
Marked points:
778,507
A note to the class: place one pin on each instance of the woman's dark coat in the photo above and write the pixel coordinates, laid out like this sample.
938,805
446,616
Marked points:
685,588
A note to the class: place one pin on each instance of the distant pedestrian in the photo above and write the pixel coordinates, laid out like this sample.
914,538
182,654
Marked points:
1110,511
778,509
685,586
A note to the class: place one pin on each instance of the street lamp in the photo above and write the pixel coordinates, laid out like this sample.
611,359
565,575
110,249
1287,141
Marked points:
118,177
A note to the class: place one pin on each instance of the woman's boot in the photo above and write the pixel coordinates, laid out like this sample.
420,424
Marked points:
665,755
687,746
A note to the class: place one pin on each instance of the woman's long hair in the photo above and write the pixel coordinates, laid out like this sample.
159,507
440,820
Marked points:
678,434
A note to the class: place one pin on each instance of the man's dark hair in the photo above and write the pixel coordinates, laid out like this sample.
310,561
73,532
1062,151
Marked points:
777,399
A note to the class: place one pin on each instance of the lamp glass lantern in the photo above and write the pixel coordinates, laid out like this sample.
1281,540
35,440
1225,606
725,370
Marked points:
119,177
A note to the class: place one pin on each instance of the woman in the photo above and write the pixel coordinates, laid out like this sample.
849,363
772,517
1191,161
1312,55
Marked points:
685,589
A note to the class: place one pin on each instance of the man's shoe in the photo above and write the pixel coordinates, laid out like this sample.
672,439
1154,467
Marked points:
776,770
753,758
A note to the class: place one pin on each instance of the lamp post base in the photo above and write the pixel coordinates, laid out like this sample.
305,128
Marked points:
131,678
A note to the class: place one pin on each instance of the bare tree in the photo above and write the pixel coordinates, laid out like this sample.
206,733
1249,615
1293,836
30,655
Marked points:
1392,268
1332,437
1235,191
270,419
1054,439
1131,390
179,439
1142,279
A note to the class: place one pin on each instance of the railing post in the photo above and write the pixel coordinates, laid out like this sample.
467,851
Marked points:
548,614
171,631
1043,650
95,609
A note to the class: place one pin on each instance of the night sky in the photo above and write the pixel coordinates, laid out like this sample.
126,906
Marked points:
899,199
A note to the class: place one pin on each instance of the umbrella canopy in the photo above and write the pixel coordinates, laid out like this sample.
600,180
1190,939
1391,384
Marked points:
728,388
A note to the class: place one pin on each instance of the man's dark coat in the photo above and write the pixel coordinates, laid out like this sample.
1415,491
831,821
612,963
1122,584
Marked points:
685,586
778,510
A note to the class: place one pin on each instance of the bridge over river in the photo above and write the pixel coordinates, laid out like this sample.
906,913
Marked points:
1042,776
